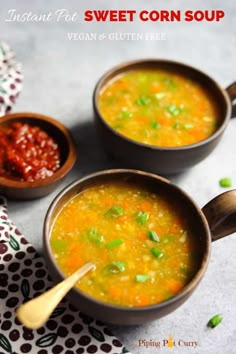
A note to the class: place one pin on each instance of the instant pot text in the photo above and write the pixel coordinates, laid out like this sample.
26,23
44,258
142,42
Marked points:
65,15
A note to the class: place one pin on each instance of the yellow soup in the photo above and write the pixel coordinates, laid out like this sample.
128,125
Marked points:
158,107
141,244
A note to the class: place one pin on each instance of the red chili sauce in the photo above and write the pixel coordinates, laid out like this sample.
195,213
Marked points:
27,153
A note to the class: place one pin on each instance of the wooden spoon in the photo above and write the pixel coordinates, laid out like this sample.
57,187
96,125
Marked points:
34,313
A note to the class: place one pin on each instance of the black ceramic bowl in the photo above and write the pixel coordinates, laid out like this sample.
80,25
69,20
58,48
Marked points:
22,190
215,220
163,160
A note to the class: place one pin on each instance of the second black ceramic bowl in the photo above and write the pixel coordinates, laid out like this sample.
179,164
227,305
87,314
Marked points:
217,219
164,160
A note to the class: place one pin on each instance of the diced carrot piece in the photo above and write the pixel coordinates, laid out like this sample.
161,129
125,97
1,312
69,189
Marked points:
121,219
142,236
154,88
123,84
146,206
174,285
125,203
115,293
142,119
107,201
174,229
73,263
201,105
173,263
74,249
198,135
159,298
143,300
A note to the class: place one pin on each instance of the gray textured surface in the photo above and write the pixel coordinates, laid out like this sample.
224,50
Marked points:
59,78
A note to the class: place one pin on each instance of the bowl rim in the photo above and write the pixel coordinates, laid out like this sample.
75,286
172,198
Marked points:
124,66
62,171
190,286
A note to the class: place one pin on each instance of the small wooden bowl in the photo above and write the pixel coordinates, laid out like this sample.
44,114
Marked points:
29,190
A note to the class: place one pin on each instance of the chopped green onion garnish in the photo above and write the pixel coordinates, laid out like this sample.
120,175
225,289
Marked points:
176,125
156,253
114,268
114,243
172,109
153,236
160,95
154,124
114,212
225,182
215,321
188,126
142,101
142,218
95,236
141,278
125,114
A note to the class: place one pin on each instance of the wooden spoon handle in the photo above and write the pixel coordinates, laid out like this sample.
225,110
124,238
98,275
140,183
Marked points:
34,313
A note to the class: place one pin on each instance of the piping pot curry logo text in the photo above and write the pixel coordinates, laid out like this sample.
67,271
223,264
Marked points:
167,343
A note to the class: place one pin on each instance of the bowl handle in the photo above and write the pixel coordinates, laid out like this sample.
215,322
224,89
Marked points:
231,90
220,213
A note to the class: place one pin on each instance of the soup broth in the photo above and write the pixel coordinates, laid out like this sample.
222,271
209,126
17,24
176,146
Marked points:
158,107
141,244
